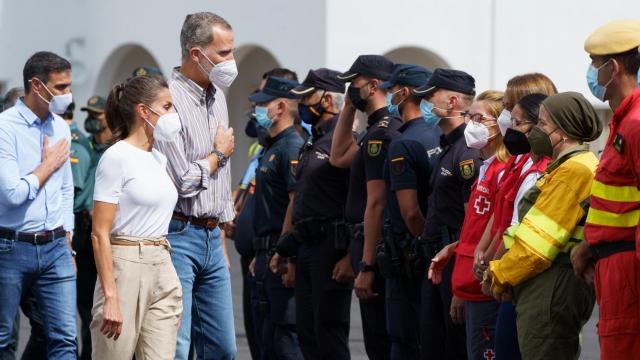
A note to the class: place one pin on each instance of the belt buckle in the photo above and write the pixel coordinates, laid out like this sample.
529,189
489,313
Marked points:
210,223
35,238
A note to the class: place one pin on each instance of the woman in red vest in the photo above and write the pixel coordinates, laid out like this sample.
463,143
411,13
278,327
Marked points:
469,305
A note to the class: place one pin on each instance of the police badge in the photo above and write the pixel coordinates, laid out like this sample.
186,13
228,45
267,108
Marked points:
374,147
467,170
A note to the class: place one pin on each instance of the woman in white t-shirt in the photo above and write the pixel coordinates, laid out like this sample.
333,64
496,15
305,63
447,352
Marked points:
138,301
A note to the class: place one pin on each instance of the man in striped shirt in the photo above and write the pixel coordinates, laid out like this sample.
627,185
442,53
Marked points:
197,164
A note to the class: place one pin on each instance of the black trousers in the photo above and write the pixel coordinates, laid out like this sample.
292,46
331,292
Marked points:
440,339
249,327
377,342
323,306
87,276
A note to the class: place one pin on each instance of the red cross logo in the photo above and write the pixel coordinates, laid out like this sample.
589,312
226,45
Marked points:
489,354
482,205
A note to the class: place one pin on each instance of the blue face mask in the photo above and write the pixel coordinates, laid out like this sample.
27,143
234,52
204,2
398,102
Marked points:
429,117
592,80
393,108
262,117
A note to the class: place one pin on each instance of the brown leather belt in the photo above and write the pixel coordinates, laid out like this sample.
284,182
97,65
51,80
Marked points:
35,238
207,223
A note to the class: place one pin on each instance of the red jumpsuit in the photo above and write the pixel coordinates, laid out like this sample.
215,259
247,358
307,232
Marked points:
613,221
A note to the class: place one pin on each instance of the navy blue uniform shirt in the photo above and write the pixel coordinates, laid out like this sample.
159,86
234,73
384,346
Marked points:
456,170
368,163
412,157
321,188
275,179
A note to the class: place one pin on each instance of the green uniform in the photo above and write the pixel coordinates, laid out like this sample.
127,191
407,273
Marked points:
80,166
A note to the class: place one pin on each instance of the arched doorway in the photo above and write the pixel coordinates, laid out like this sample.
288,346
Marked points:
119,66
252,62
417,56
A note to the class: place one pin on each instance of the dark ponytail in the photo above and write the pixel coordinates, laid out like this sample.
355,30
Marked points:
124,97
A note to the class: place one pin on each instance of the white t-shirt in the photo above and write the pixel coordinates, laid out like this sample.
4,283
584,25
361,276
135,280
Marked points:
138,182
528,182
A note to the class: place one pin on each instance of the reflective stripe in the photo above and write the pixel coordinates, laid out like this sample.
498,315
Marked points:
555,231
538,241
601,217
507,239
614,192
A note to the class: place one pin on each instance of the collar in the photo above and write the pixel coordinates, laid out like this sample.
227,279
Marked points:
29,116
284,133
324,128
565,155
377,115
629,103
453,136
411,123
193,90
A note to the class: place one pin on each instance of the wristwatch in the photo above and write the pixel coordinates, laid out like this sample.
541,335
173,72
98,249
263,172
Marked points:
364,267
222,159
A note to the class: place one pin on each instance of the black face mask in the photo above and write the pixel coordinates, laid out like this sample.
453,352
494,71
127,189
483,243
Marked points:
92,125
354,95
516,142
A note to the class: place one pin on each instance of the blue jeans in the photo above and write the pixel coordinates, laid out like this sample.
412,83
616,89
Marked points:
47,272
206,286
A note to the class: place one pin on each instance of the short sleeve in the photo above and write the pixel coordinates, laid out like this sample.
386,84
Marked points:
402,166
375,150
469,163
288,166
109,178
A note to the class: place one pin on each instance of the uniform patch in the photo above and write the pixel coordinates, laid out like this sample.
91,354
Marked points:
273,156
384,123
374,147
293,167
467,170
74,160
618,143
398,165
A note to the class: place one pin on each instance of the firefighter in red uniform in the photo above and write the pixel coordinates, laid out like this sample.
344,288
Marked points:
612,223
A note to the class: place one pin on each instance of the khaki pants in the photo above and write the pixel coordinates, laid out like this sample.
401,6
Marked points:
150,298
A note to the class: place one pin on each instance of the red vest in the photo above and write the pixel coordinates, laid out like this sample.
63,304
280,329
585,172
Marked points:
479,211
502,210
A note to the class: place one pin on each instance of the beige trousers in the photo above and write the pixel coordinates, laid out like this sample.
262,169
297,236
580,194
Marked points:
150,298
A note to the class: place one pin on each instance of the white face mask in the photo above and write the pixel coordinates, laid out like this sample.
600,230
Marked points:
58,103
222,73
504,121
167,127
476,135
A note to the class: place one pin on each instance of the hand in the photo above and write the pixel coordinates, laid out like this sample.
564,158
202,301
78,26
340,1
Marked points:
69,236
486,287
55,156
230,229
224,141
111,319
501,293
277,264
479,264
457,310
343,271
583,262
439,262
252,267
364,285
289,277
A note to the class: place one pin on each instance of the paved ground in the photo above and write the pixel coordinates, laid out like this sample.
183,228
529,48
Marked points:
589,339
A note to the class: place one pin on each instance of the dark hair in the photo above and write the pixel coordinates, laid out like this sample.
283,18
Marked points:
41,65
68,114
124,97
282,73
530,106
630,60
197,30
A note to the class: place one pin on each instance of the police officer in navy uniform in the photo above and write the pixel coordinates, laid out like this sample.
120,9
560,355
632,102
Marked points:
365,201
446,99
324,277
409,165
275,110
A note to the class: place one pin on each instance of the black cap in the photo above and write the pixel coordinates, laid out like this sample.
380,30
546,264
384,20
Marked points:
320,79
375,66
454,80
275,88
407,75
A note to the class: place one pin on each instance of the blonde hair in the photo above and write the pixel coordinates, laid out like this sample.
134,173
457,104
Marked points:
492,99
523,85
